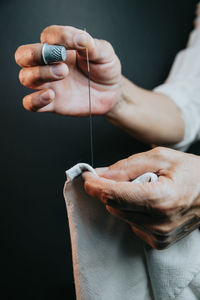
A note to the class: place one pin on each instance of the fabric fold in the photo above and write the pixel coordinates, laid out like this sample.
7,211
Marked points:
108,259
110,262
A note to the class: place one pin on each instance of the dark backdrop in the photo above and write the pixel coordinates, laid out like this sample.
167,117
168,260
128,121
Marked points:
35,260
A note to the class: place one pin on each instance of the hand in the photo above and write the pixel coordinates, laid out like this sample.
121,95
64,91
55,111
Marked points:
159,212
63,87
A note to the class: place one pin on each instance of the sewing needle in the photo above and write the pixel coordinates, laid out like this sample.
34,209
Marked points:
90,109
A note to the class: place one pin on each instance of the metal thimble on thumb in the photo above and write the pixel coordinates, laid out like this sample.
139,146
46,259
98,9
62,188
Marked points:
53,53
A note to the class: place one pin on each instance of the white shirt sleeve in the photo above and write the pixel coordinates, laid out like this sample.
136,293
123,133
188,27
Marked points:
183,87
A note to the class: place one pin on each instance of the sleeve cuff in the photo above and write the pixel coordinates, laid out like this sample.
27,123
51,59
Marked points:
184,94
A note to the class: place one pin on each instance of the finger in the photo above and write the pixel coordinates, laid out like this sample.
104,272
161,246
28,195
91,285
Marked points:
33,77
136,165
142,232
125,195
29,55
137,217
161,241
156,224
76,39
39,101
161,231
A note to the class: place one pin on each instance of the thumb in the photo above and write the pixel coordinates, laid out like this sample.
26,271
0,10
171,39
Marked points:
123,195
130,168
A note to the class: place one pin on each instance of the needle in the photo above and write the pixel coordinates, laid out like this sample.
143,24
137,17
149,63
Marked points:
90,109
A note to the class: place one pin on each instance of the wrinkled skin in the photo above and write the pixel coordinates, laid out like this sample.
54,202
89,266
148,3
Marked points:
63,87
159,212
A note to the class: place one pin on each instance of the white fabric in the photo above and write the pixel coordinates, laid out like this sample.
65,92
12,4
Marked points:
111,263
183,87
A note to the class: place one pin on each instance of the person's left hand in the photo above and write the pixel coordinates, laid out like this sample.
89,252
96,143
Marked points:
159,212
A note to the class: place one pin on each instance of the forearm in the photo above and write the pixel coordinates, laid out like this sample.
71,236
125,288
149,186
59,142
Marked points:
148,116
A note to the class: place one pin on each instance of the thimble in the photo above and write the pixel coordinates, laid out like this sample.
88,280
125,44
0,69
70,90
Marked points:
53,53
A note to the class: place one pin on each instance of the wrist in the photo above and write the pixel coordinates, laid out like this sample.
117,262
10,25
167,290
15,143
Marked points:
145,115
124,102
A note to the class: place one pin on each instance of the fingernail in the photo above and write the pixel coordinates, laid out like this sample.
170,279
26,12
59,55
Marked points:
101,171
81,40
47,96
58,70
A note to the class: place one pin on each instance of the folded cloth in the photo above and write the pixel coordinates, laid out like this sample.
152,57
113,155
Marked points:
111,263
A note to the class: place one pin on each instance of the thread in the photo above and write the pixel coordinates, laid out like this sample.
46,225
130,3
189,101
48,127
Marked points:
90,111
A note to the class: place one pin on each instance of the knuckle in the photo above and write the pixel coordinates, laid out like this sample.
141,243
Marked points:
107,45
97,191
65,34
120,165
104,195
158,151
162,152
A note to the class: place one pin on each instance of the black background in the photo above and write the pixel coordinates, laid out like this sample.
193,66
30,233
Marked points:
36,149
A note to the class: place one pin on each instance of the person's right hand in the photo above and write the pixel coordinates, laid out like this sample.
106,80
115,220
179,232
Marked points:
160,212
63,87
